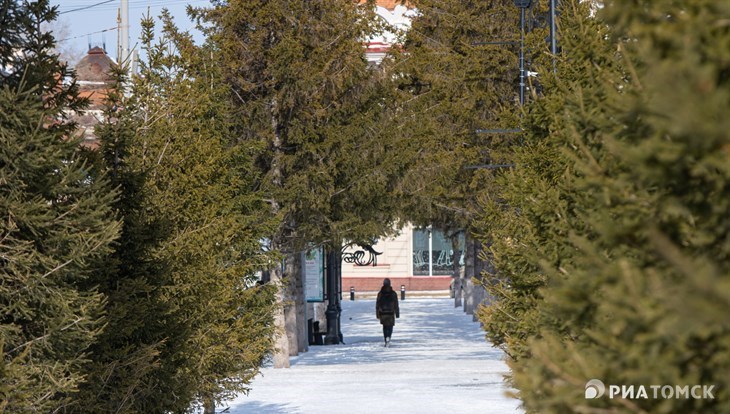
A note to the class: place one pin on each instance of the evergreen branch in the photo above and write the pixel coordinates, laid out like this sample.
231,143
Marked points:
43,337
503,312
351,184
67,212
240,98
162,153
69,261
455,209
631,67
59,267
186,232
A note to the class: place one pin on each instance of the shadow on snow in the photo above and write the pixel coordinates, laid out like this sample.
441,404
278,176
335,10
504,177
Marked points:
427,328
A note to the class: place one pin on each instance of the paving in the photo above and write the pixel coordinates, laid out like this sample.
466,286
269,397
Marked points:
438,362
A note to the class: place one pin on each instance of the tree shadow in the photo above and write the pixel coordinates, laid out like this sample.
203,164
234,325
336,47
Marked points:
428,329
259,407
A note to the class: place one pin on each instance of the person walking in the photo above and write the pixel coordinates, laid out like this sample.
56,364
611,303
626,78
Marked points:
386,309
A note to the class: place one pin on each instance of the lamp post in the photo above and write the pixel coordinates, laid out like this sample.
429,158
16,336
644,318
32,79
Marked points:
523,5
553,41
334,273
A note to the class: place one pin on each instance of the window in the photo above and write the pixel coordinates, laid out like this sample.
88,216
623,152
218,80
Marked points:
433,253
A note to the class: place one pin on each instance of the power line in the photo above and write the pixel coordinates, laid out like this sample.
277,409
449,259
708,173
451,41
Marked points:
86,7
86,34
142,4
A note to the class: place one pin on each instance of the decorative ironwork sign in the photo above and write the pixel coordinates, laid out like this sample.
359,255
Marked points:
366,257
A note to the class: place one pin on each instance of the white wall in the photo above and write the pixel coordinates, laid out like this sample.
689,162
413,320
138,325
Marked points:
396,260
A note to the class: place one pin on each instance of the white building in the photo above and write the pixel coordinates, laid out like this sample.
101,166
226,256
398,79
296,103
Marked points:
418,259
398,17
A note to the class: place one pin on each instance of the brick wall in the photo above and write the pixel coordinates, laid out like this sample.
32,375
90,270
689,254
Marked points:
412,283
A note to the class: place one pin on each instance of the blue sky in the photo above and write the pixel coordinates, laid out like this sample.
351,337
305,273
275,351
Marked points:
88,20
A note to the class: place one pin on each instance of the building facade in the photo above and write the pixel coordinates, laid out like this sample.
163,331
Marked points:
398,17
417,259
95,80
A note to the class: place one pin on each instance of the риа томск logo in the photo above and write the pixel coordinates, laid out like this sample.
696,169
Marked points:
595,388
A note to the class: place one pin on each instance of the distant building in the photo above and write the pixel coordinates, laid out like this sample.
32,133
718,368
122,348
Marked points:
419,259
94,77
398,17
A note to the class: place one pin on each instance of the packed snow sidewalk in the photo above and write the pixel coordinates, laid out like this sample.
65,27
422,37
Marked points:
438,363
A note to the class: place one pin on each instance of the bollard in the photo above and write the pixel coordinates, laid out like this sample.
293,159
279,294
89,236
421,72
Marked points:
402,292
352,292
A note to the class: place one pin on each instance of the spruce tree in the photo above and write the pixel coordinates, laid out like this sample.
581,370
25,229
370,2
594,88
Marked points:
303,91
454,75
528,207
614,264
659,189
188,326
57,222
451,82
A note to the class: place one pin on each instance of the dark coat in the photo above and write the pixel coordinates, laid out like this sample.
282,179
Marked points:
387,294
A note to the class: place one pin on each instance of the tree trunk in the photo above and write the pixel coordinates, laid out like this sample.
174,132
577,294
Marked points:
479,291
456,268
469,288
468,272
290,310
480,297
468,296
301,307
281,343
458,290
208,406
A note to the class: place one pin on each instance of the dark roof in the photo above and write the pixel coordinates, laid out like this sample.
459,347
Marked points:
94,66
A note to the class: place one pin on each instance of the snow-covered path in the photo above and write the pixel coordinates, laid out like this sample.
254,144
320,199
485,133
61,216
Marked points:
438,363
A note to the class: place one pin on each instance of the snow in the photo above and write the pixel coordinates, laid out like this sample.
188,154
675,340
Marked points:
438,362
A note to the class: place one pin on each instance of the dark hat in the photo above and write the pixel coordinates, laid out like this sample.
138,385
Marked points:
386,282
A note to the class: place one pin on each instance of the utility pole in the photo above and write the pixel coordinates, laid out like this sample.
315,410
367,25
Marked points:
119,35
123,58
523,5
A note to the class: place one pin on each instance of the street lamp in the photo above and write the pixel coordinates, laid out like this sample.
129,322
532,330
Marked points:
334,275
523,5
